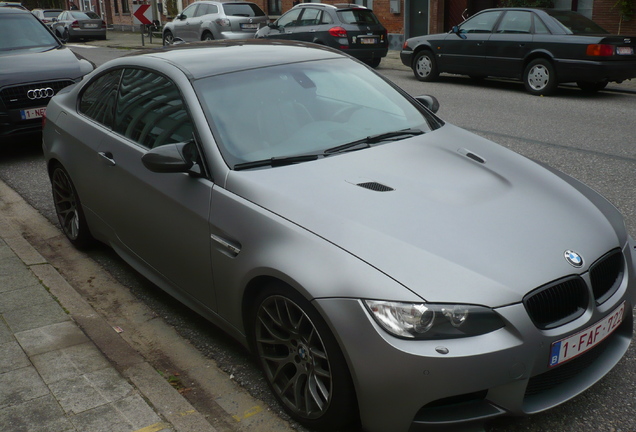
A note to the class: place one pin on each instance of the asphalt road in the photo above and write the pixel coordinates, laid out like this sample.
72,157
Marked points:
589,137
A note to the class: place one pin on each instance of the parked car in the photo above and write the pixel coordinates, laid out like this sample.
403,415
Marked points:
16,5
47,15
208,20
351,28
379,262
541,47
34,66
74,24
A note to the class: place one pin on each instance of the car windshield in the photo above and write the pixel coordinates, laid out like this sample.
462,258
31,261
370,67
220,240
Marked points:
307,108
242,9
358,16
24,32
52,14
84,15
575,23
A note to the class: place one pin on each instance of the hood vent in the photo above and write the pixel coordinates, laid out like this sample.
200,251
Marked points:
375,186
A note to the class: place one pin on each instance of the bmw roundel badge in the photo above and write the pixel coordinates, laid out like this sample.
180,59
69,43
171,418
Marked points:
573,258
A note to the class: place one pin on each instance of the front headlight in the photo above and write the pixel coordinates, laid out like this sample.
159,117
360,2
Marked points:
433,320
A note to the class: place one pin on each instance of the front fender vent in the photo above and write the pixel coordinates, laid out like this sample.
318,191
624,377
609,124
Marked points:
375,186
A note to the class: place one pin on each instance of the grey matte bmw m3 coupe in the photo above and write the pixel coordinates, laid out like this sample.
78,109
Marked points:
366,251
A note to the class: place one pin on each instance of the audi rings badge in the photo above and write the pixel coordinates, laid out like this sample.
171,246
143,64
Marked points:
42,93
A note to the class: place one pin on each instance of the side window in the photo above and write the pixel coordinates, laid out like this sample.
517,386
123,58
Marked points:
516,22
208,9
150,110
539,27
326,18
189,12
310,17
481,23
98,99
289,18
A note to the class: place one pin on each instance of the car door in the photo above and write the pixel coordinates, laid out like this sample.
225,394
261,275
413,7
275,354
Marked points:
464,51
159,220
509,44
285,25
307,25
184,24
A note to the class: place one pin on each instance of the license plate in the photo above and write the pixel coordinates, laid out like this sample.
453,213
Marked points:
252,26
368,40
575,345
624,50
90,25
34,113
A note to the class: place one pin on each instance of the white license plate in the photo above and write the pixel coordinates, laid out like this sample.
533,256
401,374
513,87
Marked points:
33,113
572,346
624,50
368,40
90,25
249,26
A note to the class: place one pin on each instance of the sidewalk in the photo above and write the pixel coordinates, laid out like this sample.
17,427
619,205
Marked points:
130,40
64,365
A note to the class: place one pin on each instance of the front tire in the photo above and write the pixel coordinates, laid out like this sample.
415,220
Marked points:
301,359
168,38
68,208
540,78
207,36
425,66
65,37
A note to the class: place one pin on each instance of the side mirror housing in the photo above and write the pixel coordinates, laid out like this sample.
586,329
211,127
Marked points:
458,32
172,158
430,102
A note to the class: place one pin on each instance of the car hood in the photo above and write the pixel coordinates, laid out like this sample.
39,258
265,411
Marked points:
428,212
29,65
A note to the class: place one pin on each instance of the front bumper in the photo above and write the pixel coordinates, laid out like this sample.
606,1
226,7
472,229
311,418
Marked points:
405,385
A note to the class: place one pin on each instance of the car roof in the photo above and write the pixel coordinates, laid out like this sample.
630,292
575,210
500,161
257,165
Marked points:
331,6
202,59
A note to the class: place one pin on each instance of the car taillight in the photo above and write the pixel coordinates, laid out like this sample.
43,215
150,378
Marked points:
223,22
600,50
75,24
338,32
103,24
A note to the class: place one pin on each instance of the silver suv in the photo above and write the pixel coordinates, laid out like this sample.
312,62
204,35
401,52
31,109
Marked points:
208,20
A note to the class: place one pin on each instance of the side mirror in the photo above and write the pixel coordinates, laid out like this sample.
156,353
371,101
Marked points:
181,17
458,32
172,158
430,102
272,25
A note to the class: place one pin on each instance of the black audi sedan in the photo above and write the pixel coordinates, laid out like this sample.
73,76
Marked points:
541,47
34,66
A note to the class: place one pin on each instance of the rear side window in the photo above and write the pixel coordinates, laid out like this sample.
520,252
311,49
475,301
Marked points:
98,99
150,110
243,10
358,16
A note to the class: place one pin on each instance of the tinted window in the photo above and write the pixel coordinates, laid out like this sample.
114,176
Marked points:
98,98
575,23
310,17
289,18
150,110
243,9
24,31
84,15
539,26
516,22
51,14
358,16
482,23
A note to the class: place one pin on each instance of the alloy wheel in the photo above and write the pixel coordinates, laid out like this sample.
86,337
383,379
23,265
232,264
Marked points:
66,204
294,357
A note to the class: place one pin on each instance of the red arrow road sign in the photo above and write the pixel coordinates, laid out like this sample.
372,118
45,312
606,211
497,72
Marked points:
142,14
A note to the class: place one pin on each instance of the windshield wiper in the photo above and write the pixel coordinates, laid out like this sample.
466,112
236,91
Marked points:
373,139
275,162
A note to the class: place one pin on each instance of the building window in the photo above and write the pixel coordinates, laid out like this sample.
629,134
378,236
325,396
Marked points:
274,7
124,6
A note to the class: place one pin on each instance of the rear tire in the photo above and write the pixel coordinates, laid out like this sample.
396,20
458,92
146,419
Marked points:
374,63
207,36
425,66
540,78
68,208
301,359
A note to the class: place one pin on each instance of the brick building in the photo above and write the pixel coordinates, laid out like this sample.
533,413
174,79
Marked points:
402,18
